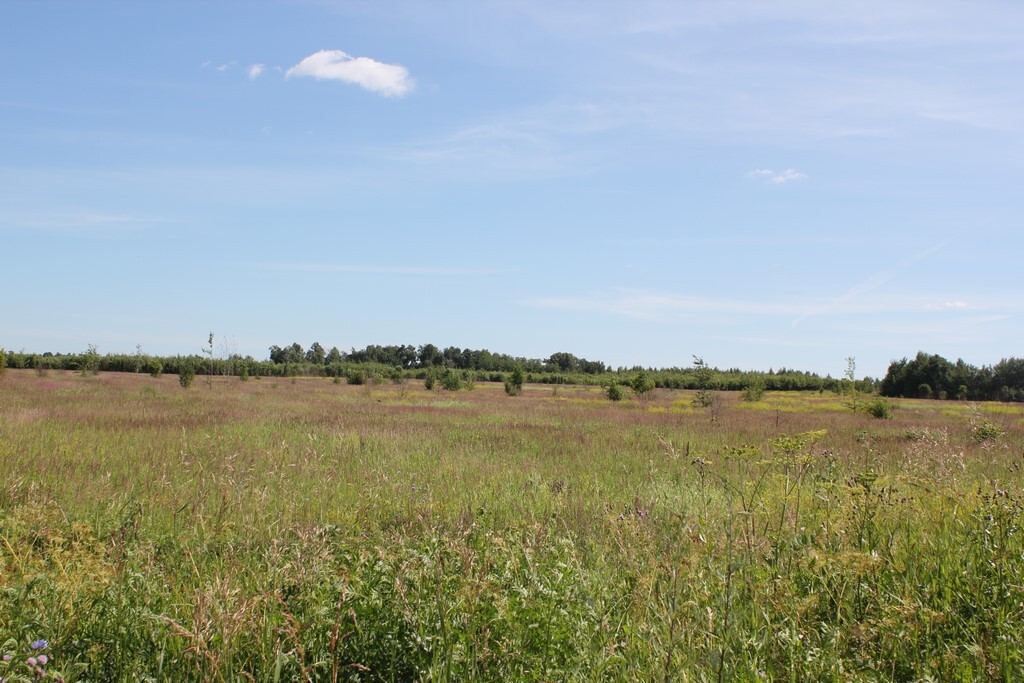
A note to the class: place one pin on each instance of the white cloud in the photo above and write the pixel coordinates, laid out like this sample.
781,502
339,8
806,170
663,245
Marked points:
375,270
255,71
224,67
658,306
947,306
390,80
778,178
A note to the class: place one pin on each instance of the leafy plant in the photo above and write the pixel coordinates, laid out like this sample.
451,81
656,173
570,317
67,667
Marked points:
753,392
879,408
186,373
514,382
3,361
614,391
642,385
451,380
703,378
90,362
985,431
154,367
430,381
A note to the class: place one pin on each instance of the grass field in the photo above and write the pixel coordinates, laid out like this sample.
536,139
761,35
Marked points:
304,530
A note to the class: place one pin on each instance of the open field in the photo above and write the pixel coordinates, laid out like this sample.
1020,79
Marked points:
298,529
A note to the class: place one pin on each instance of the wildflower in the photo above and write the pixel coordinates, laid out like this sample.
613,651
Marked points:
39,644
31,661
42,659
7,658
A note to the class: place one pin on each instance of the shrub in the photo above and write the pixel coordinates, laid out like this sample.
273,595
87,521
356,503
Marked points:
3,361
186,373
985,431
514,382
614,392
642,385
355,376
924,391
154,367
90,361
879,408
430,380
753,392
451,380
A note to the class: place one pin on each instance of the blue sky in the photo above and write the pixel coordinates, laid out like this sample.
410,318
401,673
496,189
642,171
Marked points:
763,184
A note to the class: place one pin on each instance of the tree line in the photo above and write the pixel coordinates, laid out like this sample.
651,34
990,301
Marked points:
924,376
932,376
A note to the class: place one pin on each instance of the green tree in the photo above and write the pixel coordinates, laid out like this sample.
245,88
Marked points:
333,356
3,361
703,379
642,385
451,380
613,391
90,362
514,382
316,354
186,373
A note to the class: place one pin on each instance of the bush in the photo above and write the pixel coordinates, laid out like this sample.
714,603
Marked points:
514,382
430,380
355,376
642,385
451,380
985,431
879,408
154,367
614,392
186,374
3,361
752,393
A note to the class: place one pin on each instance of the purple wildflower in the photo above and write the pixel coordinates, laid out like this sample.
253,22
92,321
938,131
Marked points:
39,644
42,659
31,661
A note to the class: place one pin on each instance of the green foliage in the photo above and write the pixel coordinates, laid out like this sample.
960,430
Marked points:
3,361
985,431
186,373
90,363
451,380
879,408
430,381
704,377
642,385
243,374
514,382
153,366
614,391
356,375
753,392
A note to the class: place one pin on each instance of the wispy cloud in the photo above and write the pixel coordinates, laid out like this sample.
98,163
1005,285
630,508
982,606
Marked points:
779,178
255,71
389,80
658,306
373,269
947,306
873,282
78,221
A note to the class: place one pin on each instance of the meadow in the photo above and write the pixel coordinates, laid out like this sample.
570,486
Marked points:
299,529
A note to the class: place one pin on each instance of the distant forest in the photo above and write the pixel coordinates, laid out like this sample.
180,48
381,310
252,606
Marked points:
924,376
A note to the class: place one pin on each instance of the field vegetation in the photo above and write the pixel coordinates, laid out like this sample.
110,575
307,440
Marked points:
304,529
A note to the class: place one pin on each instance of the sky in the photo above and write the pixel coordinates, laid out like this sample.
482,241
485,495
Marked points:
762,184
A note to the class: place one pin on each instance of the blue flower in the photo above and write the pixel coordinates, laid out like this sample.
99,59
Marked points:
39,644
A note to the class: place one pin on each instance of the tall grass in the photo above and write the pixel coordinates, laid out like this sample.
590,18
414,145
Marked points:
306,530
